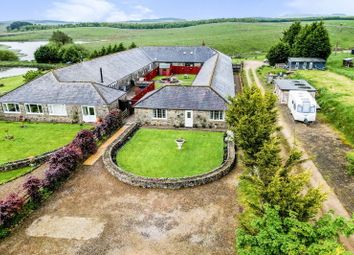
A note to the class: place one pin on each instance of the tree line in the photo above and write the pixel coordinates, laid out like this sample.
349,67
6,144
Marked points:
311,40
62,49
280,209
165,25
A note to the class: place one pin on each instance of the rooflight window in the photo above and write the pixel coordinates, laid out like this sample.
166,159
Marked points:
11,108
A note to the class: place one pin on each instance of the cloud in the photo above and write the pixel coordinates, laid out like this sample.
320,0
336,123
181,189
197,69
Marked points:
95,10
323,6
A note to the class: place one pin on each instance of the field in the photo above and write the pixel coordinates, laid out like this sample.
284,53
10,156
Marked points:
10,83
248,39
34,138
336,98
184,81
154,153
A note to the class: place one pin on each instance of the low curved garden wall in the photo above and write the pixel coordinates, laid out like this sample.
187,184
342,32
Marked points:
37,160
109,160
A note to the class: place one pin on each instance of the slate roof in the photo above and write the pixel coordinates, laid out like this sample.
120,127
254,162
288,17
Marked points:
289,84
181,54
81,83
183,98
223,78
48,90
114,67
306,60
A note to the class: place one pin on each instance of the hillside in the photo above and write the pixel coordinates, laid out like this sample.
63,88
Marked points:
232,38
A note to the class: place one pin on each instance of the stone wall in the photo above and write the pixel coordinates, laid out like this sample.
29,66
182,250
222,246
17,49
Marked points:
37,160
164,183
175,118
74,112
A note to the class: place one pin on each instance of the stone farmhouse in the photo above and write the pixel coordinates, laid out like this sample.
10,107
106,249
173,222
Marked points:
89,90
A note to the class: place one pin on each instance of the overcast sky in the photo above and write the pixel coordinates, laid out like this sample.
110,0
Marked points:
122,10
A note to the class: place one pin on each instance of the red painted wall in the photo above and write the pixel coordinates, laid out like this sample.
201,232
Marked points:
165,71
152,74
142,93
185,69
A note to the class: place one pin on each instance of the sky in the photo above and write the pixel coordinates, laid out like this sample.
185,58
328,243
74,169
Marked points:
123,10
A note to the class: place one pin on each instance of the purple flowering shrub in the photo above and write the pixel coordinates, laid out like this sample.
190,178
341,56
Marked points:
32,186
61,164
109,125
85,140
9,207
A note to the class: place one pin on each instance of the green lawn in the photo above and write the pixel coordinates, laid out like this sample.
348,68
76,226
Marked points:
184,81
34,139
247,39
10,83
336,98
13,174
335,64
154,153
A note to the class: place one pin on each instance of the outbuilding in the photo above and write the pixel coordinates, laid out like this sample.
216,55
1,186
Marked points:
282,87
306,63
348,62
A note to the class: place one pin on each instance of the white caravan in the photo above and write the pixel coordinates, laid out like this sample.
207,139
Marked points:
302,106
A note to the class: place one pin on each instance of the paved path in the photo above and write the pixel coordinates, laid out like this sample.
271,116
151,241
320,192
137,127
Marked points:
332,202
92,159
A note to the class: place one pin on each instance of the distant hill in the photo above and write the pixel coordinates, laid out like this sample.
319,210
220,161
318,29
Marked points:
157,20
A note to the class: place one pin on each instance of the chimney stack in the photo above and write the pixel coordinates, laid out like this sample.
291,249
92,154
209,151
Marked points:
101,72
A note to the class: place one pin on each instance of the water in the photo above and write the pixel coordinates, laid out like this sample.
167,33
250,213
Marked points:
8,72
26,49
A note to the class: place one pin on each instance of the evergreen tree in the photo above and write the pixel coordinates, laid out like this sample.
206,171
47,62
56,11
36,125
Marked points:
291,33
272,234
132,45
109,50
252,117
312,41
48,54
121,47
115,48
60,38
278,53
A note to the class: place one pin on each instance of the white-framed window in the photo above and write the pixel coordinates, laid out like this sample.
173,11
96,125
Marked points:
57,109
159,114
34,108
11,108
216,115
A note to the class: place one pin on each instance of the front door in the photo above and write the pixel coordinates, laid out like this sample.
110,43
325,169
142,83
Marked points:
88,113
188,122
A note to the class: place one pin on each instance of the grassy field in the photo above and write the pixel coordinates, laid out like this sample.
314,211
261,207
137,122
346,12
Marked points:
13,174
154,153
335,64
336,98
34,138
184,81
10,83
248,39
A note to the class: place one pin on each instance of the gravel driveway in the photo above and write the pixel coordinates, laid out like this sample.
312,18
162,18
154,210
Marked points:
105,216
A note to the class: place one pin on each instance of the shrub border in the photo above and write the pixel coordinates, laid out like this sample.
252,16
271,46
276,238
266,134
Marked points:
163,183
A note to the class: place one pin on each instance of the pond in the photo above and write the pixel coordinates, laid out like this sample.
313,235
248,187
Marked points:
8,72
26,49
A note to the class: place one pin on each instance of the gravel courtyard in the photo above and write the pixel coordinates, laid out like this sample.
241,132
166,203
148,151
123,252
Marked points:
94,213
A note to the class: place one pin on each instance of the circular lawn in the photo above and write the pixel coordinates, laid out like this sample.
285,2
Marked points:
154,153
